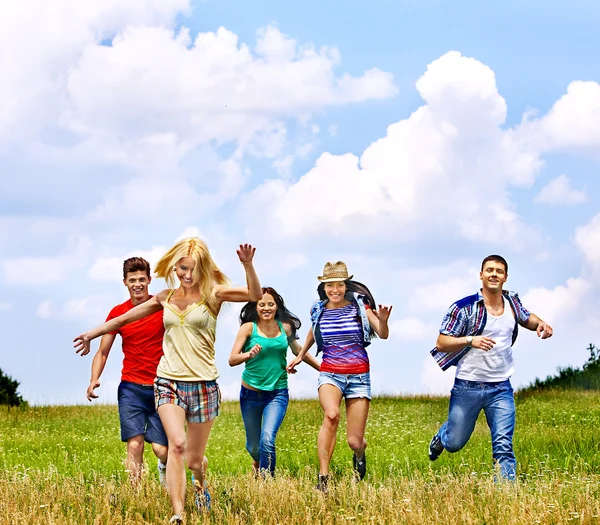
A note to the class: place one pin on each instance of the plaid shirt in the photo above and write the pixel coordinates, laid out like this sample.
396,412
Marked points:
468,317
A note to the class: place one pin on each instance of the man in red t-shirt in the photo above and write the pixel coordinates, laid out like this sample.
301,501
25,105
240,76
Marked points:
142,350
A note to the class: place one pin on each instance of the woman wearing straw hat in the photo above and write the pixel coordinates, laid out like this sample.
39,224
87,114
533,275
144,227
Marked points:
343,322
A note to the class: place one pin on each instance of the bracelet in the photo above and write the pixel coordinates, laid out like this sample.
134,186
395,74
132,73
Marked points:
245,263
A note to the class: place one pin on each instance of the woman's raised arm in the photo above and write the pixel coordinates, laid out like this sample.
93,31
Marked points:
239,294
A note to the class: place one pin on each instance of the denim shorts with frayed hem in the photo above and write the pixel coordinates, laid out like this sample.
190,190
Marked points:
351,385
137,413
201,400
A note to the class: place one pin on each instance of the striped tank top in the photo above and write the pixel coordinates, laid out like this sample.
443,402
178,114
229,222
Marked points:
343,344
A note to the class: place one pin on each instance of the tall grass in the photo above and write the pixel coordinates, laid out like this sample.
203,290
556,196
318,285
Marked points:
65,465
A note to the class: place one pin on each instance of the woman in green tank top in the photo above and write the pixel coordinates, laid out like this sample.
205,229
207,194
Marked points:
267,329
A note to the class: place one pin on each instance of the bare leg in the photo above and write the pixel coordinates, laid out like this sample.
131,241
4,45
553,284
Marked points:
196,445
161,452
330,398
135,458
173,420
357,411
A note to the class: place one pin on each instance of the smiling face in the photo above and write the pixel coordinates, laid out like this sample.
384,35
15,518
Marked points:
266,307
335,292
137,285
184,269
493,276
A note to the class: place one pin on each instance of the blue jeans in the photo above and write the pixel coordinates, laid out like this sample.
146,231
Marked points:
467,399
263,412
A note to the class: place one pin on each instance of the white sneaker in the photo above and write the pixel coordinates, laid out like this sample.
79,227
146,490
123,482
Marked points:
162,474
176,520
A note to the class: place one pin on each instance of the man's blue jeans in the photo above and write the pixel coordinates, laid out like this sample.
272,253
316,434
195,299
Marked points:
467,399
263,412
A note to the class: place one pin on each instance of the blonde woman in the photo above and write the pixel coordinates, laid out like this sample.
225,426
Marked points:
185,388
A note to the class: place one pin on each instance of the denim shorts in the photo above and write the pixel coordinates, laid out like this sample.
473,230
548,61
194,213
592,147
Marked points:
137,413
351,385
201,400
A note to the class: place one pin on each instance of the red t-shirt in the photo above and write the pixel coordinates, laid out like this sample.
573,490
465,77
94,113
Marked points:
142,345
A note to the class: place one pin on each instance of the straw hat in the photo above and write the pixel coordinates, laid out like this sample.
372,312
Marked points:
334,271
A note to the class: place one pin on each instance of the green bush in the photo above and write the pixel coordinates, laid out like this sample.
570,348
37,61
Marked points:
8,391
584,378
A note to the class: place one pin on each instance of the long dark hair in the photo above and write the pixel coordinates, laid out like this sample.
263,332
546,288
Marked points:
250,315
353,287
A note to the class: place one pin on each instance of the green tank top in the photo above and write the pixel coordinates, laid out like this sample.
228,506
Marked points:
266,371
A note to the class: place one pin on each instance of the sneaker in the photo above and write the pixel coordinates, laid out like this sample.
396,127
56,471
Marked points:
323,483
162,473
360,466
435,447
176,520
202,497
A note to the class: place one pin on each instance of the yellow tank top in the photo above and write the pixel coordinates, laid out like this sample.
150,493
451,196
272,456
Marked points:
188,344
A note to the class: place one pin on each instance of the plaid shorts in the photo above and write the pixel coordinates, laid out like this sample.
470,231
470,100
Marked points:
201,400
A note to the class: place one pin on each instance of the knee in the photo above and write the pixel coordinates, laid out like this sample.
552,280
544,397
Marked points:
253,450
267,442
135,446
331,418
160,451
454,445
356,442
177,446
197,463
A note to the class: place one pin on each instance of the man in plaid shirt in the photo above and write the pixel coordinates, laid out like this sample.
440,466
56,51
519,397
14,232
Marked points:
476,336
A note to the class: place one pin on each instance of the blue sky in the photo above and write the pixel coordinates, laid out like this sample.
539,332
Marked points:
410,139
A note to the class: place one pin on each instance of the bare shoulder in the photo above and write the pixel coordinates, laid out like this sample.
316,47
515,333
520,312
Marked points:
288,328
161,296
246,328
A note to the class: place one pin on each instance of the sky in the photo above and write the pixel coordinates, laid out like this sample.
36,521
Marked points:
409,139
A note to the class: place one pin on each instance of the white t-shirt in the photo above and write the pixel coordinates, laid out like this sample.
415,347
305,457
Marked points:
496,364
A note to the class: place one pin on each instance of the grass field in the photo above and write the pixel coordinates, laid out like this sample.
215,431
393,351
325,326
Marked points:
64,465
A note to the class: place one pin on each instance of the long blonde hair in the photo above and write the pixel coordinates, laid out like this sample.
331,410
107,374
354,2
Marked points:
206,273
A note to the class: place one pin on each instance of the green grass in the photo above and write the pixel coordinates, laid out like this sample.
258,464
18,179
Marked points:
71,458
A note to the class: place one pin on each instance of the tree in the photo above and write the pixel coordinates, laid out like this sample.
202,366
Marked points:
8,391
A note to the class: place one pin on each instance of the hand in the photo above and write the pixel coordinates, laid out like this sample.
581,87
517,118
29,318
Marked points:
90,394
483,343
544,330
246,253
383,313
82,344
291,368
254,351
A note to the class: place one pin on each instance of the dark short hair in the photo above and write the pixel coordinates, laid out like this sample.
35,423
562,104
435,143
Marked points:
495,258
135,264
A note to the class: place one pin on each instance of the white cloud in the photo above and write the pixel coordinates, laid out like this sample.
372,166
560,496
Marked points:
559,302
559,191
110,269
35,71
152,81
587,239
412,329
572,123
434,380
93,309
433,172
33,271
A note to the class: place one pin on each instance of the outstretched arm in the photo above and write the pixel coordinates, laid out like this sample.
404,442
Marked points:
98,364
239,294
309,341
543,329
152,305
378,319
